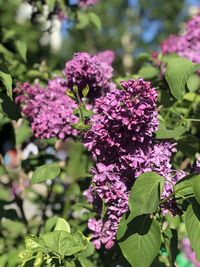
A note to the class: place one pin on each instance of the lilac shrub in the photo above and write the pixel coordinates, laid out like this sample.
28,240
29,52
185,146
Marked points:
121,141
49,110
186,45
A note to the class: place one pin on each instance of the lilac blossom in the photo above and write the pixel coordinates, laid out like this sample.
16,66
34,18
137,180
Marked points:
94,71
186,45
197,165
49,110
189,253
171,180
123,119
112,184
86,3
111,190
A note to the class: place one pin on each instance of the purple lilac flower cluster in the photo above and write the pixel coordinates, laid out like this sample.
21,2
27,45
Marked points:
94,71
123,119
186,45
197,165
113,191
49,109
189,253
121,141
86,3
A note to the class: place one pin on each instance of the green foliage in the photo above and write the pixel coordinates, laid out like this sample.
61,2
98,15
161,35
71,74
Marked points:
78,164
141,242
164,133
62,225
44,172
148,72
64,244
21,47
177,74
84,19
192,223
55,247
193,83
145,194
6,79
8,108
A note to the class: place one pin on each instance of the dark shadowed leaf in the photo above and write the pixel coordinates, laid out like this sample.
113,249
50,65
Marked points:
6,79
9,108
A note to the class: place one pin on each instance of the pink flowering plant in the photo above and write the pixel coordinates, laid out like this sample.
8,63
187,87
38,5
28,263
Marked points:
99,168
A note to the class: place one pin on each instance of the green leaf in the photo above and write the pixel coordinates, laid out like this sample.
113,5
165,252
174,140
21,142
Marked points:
193,82
2,170
70,264
145,194
192,223
164,133
13,258
23,133
12,227
38,260
93,18
44,172
148,72
189,145
71,94
184,190
5,194
196,188
50,223
7,53
141,242
3,260
186,183
24,255
85,262
62,225
166,99
85,91
83,20
89,250
78,164
177,73
51,4
192,97
64,243
7,34
32,242
21,47
6,79
81,126
122,226
9,108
